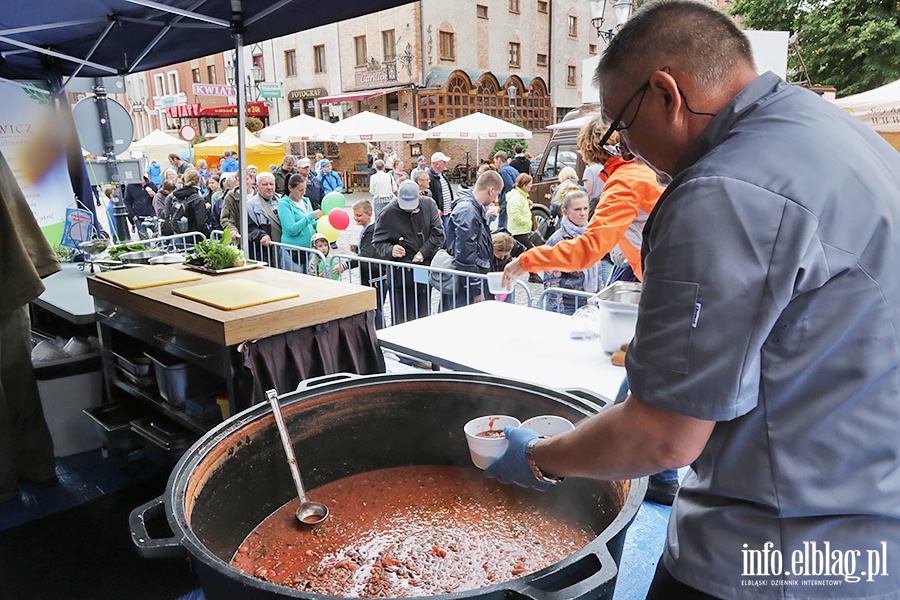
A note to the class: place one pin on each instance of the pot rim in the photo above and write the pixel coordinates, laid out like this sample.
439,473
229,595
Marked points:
584,402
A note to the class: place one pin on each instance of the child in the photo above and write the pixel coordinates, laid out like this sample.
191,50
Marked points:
317,265
372,275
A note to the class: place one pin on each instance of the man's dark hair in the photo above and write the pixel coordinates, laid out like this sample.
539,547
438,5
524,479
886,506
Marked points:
704,40
518,149
174,156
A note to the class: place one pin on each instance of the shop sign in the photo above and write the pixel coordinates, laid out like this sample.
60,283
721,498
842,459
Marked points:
304,94
269,89
385,74
214,89
183,111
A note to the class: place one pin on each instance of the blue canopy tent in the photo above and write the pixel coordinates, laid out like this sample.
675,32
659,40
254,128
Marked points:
55,39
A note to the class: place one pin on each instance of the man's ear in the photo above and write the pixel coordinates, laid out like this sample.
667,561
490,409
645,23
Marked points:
664,86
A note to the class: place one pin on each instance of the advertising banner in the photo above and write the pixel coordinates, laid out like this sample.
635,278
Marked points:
36,158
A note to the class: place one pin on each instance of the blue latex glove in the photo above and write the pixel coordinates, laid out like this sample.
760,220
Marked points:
512,466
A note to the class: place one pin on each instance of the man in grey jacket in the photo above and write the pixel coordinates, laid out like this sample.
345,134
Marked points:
469,237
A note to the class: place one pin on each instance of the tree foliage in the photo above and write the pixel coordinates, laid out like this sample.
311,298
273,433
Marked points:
850,44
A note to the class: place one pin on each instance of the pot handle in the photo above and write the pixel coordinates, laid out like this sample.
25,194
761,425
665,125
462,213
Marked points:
146,545
594,400
323,379
593,572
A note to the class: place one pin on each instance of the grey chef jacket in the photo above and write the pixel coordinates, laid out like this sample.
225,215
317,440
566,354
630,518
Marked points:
771,304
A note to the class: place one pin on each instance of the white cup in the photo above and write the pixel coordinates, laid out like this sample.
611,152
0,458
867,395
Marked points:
485,450
548,425
495,283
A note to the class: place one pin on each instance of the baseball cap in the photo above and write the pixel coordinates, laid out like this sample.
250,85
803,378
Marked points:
303,163
439,156
408,195
421,158
324,162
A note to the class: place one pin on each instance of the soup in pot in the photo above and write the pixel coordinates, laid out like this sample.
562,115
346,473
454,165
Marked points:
411,531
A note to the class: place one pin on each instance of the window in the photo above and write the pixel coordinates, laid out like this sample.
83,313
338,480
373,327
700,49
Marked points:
481,11
447,47
389,44
514,54
542,60
319,58
359,43
592,48
514,6
570,75
211,73
195,75
290,63
573,26
543,7
174,85
159,84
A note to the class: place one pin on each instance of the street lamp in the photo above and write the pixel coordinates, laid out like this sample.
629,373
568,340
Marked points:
621,9
511,92
255,76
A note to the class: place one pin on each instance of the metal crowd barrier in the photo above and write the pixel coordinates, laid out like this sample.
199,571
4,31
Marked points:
178,242
562,300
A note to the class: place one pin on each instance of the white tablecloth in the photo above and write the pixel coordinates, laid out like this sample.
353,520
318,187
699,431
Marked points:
511,341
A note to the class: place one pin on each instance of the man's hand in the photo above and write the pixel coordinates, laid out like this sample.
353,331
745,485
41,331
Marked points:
512,466
418,258
398,251
265,240
354,248
511,273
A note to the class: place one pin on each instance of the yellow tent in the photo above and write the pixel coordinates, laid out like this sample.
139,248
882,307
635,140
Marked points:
259,153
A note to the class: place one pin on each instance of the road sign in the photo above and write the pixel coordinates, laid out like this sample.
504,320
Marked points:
269,89
188,133
87,121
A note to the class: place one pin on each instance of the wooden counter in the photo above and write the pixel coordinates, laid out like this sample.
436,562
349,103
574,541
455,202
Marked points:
321,300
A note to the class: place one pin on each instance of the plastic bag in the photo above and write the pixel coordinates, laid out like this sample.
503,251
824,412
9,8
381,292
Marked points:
585,323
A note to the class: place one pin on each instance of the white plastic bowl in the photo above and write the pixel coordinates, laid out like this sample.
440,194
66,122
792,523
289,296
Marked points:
548,425
484,450
495,283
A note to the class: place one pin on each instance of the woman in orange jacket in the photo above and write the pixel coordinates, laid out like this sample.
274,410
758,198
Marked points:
629,195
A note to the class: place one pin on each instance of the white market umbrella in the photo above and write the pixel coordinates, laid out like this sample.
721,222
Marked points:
478,126
876,108
302,128
370,127
157,145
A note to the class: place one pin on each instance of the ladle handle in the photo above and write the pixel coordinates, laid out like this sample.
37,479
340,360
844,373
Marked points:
272,396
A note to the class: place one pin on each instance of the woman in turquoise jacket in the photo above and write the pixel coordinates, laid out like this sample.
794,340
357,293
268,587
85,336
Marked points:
298,223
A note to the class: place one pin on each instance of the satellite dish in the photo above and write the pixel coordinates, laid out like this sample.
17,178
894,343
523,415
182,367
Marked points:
87,121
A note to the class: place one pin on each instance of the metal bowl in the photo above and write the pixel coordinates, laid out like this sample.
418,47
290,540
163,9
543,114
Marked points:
94,246
140,258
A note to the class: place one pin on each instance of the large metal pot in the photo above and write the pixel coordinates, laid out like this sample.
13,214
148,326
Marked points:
236,475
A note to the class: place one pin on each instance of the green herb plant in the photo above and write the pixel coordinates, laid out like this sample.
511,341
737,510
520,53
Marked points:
216,254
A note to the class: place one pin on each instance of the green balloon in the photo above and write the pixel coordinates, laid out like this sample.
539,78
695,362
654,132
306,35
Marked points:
333,200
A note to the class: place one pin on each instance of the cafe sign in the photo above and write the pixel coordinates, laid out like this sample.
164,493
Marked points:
386,74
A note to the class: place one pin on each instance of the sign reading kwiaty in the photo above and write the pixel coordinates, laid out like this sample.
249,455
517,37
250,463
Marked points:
183,111
214,89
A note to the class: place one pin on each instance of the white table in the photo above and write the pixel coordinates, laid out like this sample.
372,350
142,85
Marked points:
511,341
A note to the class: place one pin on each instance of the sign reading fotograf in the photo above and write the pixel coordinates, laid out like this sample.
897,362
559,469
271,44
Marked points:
214,89
305,94
385,74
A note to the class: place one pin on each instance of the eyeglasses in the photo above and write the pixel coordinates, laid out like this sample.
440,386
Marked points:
616,124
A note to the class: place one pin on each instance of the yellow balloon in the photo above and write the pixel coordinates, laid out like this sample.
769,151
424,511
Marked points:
327,229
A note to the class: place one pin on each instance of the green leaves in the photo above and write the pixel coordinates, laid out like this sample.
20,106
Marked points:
849,44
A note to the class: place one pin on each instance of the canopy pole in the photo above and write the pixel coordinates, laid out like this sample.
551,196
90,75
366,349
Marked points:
242,138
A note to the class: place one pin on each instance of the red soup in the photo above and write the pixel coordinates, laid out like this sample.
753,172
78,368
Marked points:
410,531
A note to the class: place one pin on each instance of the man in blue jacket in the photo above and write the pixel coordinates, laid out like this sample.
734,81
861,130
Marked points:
331,181
469,237
509,175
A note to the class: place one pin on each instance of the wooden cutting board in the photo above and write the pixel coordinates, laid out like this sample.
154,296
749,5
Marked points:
144,277
234,293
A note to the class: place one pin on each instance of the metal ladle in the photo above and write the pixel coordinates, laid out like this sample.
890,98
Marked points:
308,513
